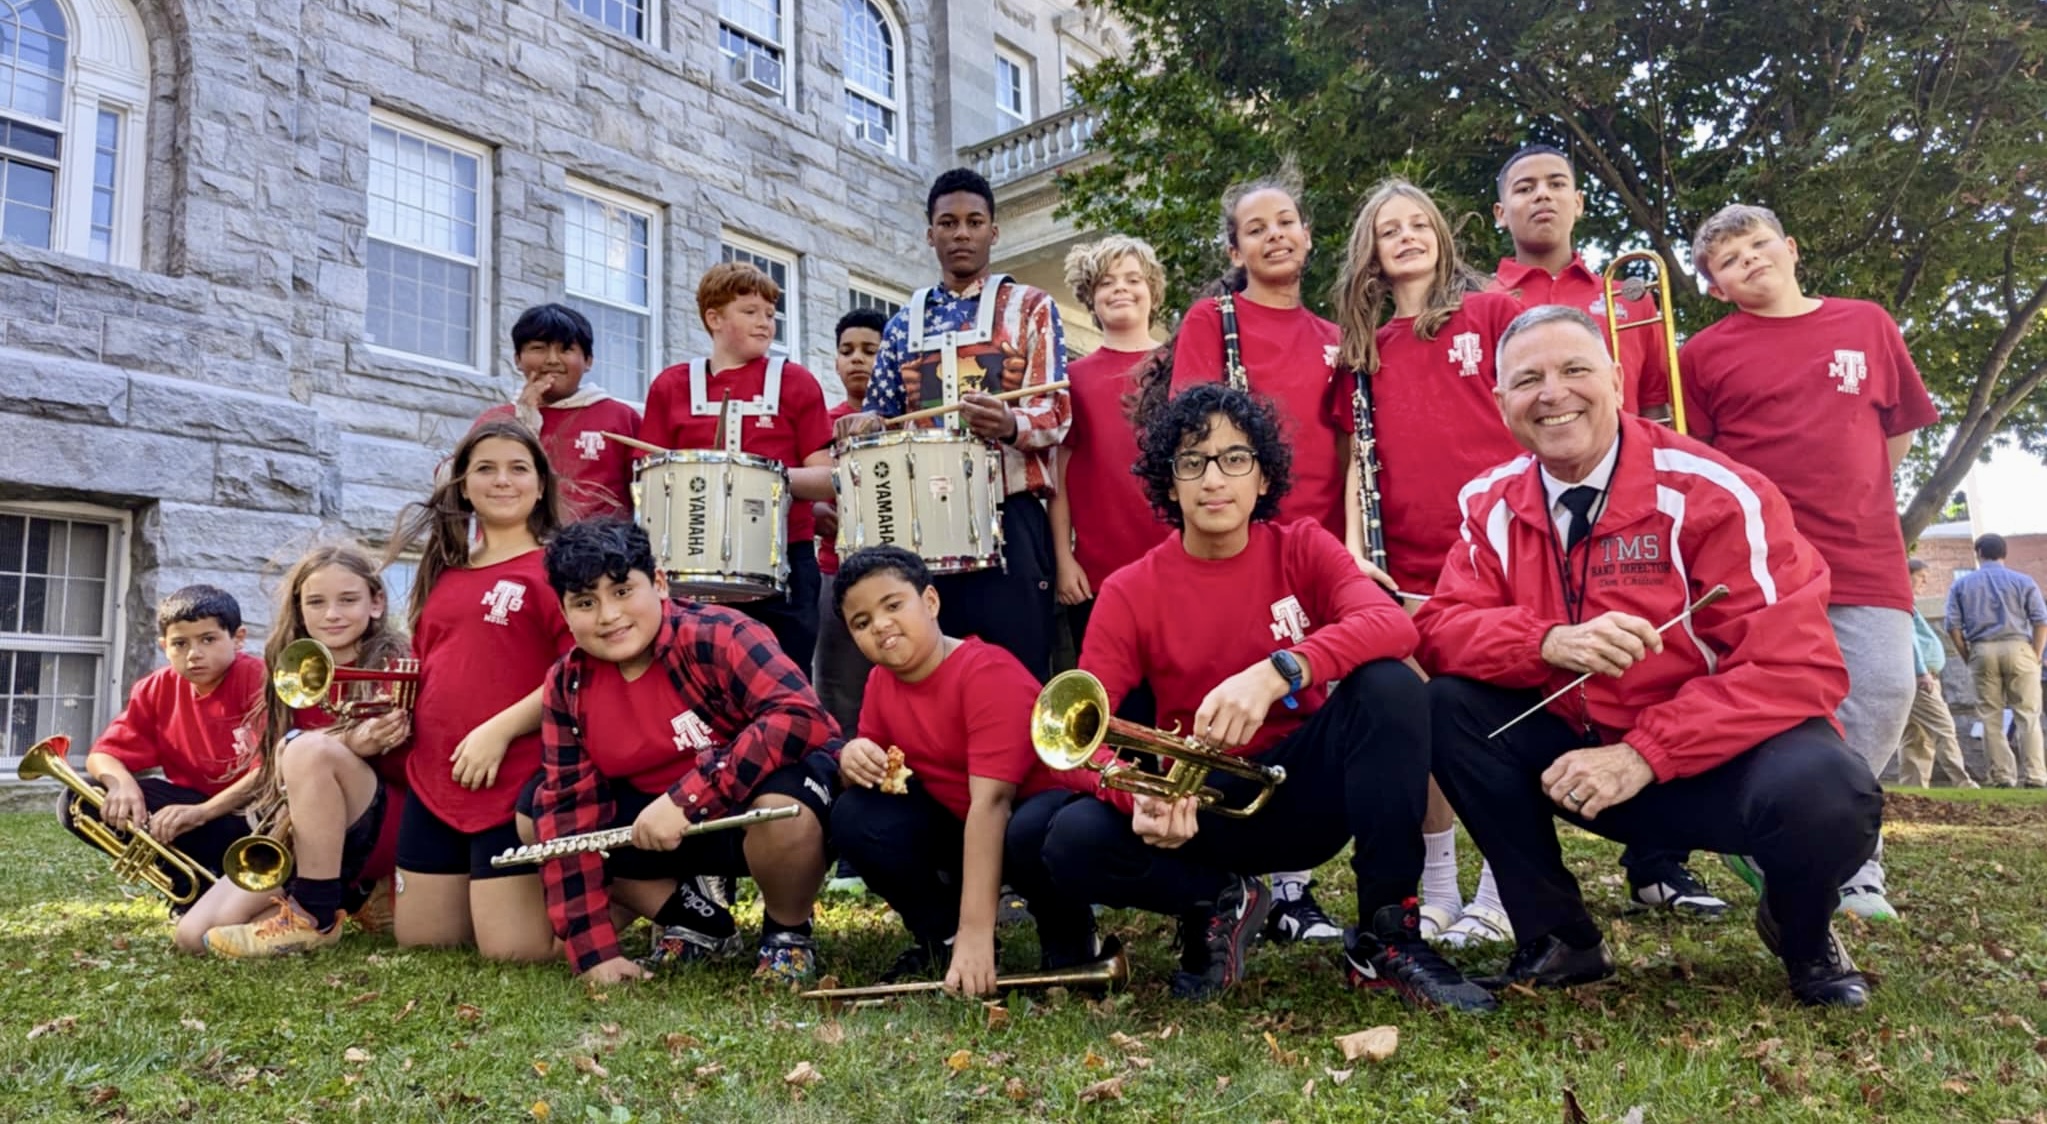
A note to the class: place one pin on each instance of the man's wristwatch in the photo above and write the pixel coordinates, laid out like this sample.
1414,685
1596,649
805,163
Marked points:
1289,669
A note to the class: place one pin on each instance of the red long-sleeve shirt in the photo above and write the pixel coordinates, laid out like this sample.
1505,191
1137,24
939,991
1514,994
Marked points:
750,712
1680,518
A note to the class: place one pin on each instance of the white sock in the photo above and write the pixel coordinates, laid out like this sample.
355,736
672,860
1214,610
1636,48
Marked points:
1439,871
1289,885
1488,894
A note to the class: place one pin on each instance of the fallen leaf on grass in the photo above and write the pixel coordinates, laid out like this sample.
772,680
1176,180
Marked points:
1138,1061
103,1094
1308,1090
540,1069
1016,1090
359,1000
959,1061
410,1006
540,1110
1126,1043
355,1055
120,945
590,1065
1092,1060
1998,952
468,1012
197,1026
1279,1056
1572,1113
1338,1076
998,1015
710,1069
830,1032
1222,1082
1957,1086
804,1074
677,1042
1110,1089
1374,1045
54,1026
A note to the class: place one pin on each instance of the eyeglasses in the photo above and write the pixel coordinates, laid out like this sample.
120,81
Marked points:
1234,461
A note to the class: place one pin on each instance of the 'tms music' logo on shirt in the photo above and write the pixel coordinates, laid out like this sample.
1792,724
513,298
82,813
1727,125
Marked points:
1850,369
591,442
691,733
1289,620
504,599
1465,350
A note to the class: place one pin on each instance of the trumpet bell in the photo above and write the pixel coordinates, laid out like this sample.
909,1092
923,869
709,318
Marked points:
304,674
257,863
1069,720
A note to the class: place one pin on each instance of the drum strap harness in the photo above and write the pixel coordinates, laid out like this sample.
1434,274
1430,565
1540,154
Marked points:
948,345
767,404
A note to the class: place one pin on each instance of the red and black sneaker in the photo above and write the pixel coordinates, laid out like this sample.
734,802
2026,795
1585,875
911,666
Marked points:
1395,956
1239,917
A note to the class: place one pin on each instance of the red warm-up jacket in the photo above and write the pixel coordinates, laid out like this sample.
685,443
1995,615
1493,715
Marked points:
1680,518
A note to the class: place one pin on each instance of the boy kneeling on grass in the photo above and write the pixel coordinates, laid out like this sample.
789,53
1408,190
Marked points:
724,723
938,843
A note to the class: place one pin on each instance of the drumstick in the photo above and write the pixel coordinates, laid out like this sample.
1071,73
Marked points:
634,442
1705,599
1005,396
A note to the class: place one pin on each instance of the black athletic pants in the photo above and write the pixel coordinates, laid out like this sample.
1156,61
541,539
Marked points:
792,616
1010,607
1357,770
1804,806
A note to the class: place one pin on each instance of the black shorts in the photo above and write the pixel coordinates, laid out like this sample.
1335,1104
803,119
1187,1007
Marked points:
427,844
812,782
359,844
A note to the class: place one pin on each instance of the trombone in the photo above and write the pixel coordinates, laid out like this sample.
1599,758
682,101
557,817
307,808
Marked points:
140,859
1072,719
1615,288
306,676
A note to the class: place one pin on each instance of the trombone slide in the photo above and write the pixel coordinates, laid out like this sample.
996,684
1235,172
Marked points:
1611,284
1109,973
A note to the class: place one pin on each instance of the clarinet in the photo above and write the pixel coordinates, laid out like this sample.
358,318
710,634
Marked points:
1368,468
603,842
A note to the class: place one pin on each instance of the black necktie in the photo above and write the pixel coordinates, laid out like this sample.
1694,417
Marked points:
1578,501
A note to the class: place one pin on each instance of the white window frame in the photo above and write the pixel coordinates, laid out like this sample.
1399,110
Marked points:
783,50
106,68
656,292
486,202
858,288
1004,116
108,695
650,21
791,347
897,105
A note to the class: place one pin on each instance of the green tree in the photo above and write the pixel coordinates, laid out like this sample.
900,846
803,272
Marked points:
1902,143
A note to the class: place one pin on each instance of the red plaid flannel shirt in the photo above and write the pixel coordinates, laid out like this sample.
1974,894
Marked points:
758,705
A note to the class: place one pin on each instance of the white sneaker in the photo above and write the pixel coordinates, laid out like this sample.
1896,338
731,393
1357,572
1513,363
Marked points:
1866,902
1479,925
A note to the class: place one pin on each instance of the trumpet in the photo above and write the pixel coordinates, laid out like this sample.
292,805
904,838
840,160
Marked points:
1617,288
1071,719
307,676
257,863
140,859
1109,973
610,839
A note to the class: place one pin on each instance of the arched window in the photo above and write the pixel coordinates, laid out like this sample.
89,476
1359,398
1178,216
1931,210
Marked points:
73,83
874,75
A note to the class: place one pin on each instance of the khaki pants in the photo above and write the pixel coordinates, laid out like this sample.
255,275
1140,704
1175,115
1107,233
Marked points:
1930,745
2008,675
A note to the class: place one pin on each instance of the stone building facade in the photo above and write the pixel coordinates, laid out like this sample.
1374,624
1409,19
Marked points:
260,259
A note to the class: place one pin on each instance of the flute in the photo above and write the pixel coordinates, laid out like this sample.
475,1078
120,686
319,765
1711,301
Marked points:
605,841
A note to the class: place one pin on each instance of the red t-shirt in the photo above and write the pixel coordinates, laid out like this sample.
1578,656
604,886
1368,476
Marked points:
1811,401
642,732
1289,356
799,427
1437,426
828,546
1644,357
972,716
485,641
169,725
1184,624
1113,523
596,473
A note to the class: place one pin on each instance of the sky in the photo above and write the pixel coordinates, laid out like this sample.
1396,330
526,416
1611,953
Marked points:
2008,495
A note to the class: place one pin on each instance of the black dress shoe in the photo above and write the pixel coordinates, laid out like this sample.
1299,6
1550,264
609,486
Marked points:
1828,979
1548,962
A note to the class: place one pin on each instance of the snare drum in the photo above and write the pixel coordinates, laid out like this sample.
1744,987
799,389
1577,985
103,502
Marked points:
934,493
719,523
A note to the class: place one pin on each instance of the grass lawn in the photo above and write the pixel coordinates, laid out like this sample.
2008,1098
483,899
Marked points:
102,1021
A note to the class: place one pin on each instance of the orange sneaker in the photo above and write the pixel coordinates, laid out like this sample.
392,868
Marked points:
374,915
288,930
